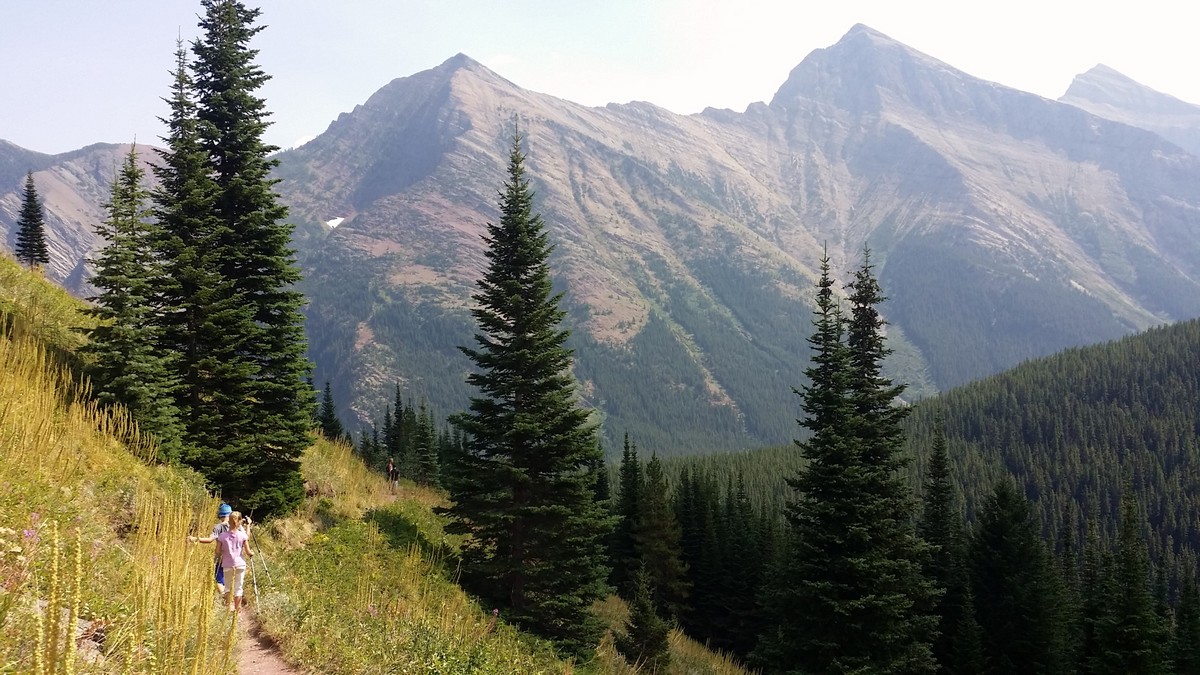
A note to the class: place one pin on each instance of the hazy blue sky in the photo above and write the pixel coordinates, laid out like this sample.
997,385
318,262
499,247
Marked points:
76,72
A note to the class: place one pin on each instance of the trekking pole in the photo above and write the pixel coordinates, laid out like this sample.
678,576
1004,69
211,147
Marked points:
254,542
260,552
254,583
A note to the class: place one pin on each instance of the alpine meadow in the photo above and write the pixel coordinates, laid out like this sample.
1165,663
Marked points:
894,373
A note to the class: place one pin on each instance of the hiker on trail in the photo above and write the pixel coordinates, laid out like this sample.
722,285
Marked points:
234,545
222,526
393,475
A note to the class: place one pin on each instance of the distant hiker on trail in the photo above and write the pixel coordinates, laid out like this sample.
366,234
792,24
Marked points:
232,544
222,526
393,475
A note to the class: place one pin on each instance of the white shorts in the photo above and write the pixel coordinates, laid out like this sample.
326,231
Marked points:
235,580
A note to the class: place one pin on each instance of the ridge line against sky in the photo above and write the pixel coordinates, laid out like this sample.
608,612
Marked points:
78,72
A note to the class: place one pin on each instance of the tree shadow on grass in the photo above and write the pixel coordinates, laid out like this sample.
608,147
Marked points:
401,533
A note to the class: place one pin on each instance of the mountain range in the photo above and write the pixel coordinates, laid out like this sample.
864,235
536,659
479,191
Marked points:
1003,226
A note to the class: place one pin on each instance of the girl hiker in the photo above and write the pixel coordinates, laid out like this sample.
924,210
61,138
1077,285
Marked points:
222,525
234,545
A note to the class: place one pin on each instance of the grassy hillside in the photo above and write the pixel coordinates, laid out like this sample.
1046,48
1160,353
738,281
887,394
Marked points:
96,577
92,537
363,583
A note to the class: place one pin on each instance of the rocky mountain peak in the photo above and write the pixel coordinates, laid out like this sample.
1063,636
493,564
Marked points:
403,131
866,71
861,31
433,82
1106,93
1103,85
460,60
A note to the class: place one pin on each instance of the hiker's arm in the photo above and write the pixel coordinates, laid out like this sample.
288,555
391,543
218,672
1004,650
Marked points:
202,540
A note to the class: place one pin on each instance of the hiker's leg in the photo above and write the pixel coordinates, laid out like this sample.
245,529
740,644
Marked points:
219,575
238,581
231,590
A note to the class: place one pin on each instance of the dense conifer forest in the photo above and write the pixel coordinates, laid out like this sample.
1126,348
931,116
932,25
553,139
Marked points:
1057,499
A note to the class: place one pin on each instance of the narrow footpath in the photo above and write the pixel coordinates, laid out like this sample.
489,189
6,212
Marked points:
257,653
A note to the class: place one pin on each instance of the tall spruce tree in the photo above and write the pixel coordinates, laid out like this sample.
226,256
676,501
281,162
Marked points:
657,540
1014,589
966,657
852,597
31,247
601,483
327,417
425,451
249,430
622,546
524,490
697,508
942,527
197,307
403,438
645,641
1070,606
391,439
746,554
1130,635
1092,603
898,596
800,602
122,355
1185,646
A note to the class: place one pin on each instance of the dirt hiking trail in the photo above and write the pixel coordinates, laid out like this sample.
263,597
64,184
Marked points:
257,653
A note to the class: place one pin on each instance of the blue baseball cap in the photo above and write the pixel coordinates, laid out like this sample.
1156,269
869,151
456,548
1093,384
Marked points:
224,510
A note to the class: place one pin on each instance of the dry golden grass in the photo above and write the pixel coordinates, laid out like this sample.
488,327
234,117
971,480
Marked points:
95,572
689,656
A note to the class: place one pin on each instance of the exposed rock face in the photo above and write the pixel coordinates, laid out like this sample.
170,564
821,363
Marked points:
1106,93
1003,225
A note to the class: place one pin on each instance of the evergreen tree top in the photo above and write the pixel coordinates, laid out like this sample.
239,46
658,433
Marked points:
31,247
